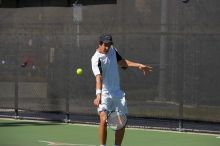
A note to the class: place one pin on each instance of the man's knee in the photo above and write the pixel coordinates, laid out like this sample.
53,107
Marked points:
102,118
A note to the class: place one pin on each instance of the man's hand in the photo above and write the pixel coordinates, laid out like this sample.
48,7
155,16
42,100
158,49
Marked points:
145,68
97,100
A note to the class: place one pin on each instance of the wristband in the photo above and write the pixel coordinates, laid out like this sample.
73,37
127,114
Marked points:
98,91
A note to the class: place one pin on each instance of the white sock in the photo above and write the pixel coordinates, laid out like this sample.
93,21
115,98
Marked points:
102,145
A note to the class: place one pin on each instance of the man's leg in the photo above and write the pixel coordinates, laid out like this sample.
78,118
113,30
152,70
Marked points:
119,135
102,128
121,104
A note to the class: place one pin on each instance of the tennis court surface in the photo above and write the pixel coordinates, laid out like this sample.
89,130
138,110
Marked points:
37,133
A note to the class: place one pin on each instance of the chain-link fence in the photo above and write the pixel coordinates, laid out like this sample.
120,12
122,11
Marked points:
181,41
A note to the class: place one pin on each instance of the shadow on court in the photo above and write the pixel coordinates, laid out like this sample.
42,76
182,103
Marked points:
25,123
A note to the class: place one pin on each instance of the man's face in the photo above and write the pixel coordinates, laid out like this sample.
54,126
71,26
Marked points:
104,48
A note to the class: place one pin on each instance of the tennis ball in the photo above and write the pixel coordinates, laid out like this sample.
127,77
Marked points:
3,61
79,71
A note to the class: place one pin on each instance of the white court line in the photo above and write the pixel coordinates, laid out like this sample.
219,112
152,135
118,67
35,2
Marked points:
129,128
51,143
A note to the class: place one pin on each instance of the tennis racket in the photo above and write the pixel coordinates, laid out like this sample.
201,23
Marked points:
116,120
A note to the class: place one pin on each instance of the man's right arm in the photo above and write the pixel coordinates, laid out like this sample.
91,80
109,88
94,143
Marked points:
97,100
97,71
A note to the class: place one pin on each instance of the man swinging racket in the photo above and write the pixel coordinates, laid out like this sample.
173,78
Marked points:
109,96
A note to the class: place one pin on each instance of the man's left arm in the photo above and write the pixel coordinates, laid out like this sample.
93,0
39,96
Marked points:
124,63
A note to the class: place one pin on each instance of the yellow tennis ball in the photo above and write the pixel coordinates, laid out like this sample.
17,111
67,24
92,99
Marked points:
79,71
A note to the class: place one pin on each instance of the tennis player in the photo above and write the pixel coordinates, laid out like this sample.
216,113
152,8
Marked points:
109,96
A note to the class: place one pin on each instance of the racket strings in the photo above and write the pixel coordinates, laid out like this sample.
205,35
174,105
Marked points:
117,120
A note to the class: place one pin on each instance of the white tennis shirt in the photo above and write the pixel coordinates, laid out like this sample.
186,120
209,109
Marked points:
106,65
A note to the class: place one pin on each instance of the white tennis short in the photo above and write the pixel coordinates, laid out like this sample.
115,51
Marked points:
113,101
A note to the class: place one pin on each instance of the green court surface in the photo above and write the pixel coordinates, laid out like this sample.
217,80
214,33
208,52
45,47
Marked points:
35,133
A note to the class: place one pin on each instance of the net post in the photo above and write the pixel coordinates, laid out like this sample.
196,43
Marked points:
16,85
180,125
16,101
67,119
16,114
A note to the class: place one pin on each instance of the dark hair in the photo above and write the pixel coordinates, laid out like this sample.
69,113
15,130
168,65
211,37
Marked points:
100,43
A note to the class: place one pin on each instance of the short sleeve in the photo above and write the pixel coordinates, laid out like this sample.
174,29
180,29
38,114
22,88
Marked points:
96,66
118,56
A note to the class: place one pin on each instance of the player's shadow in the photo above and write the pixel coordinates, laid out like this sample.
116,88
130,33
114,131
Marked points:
26,123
